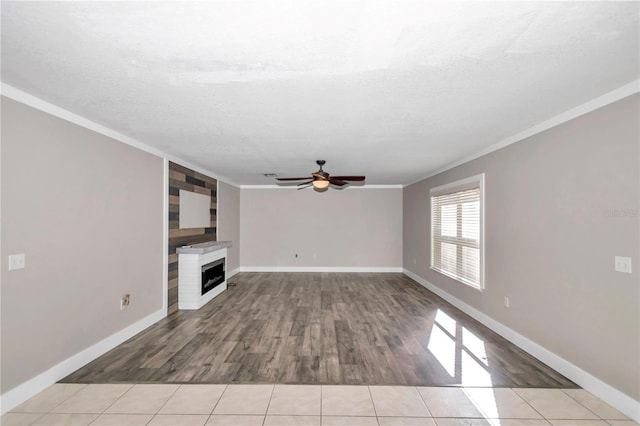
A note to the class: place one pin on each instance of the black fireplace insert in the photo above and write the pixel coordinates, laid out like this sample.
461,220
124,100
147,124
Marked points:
212,275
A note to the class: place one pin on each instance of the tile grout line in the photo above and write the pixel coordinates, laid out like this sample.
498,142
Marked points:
61,402
321,386
375,412
264,419
165,403
116,400
110,405
563,419
48,412
38,418
154,415
226,386
477,404
529,404
596,414
424,402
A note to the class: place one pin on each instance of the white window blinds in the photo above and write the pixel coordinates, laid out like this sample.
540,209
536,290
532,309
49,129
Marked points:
456,231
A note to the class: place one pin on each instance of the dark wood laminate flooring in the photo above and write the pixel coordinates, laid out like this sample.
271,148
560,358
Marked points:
322,328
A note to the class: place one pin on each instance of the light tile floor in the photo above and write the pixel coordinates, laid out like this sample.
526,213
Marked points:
281,405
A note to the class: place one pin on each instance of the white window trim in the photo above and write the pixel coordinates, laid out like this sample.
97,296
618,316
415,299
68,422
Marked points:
459,185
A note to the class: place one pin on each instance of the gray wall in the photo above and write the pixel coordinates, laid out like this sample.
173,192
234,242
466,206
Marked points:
559,207
87,211
336,228
229,222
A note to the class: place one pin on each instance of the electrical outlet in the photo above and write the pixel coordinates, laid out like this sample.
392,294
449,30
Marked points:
16,261
124,302
623,264
506,302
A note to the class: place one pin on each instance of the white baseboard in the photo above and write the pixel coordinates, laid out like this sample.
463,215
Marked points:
617,399
232,273
319,269
31,387
622,402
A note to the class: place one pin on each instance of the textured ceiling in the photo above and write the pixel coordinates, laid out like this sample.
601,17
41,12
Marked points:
393,90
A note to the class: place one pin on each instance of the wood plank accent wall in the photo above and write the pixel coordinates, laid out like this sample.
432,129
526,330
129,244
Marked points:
186,179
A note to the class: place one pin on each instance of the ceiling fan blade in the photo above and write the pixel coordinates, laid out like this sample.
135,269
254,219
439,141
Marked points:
320,175
352,178
297,178
305,183
337,182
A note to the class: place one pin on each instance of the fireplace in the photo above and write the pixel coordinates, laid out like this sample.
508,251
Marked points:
201,273
212,275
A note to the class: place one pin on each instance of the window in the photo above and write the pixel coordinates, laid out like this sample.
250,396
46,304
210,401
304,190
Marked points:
457,227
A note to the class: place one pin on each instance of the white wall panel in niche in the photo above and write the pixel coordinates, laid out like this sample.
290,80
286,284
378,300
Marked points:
194,210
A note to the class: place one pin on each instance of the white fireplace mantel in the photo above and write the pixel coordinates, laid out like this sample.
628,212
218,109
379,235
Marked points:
190,262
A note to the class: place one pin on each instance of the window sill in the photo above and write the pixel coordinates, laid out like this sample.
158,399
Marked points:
474,286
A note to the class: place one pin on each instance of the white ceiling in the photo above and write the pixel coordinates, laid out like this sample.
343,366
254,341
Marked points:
390,89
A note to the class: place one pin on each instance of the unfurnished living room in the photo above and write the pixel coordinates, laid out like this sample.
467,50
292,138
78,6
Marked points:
320,213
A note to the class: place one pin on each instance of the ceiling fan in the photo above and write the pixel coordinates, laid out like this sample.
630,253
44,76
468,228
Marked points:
321,179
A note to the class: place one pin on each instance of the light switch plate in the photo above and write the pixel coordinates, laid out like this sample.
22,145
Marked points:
16,261
623,264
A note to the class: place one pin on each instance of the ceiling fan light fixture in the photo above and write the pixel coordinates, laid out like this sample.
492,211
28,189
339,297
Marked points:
320,184
321,180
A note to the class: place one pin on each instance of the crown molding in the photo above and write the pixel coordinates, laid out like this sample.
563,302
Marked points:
44,106
592,105
342,189
587,107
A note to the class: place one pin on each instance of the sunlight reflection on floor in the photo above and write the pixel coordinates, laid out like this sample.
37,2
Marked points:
460,352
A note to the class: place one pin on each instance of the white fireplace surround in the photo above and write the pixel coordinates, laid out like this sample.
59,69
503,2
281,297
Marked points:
191,259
